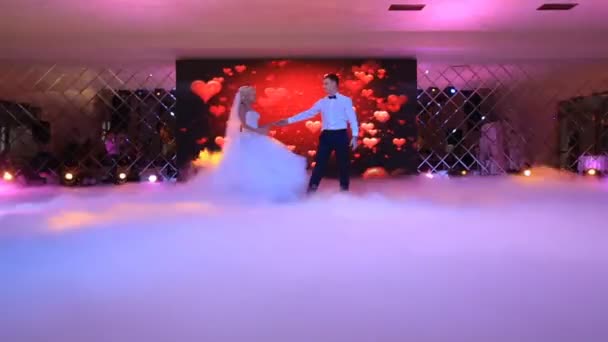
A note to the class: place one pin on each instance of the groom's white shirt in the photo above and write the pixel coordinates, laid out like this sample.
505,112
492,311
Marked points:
336,114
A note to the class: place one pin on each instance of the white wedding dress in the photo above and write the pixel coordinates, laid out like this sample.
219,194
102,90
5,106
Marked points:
260,167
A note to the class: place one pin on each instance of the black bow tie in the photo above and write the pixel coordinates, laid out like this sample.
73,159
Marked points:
332,97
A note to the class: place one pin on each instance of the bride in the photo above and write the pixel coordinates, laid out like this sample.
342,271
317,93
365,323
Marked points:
254,164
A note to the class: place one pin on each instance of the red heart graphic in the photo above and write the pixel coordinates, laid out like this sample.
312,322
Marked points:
291,147
313,126
402,122
357,155
372,132
370,142
220,141
375,172
381,73
240,68
367,92
312,153
217,110
353,85
366,78
201,141
280,64
219,79
395,102
228,71
382,115
313,164
206,90
366,126
273,96
272,133
275,92
399,142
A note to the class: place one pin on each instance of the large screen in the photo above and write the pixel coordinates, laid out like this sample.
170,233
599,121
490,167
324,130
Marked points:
383,93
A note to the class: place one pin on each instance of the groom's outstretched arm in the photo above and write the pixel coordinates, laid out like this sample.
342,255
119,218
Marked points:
307,114
352,118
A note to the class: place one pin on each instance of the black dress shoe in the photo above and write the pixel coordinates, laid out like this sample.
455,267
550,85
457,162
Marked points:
311,190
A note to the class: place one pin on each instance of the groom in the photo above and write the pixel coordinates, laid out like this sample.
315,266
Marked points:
336,114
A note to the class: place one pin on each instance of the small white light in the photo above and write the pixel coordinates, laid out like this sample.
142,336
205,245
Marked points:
426,72
483,118
122,176
527,172
7,176
454,130
429,175
592,172
152,178
69,176
172,114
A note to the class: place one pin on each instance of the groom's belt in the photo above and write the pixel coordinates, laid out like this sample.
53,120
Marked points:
335,130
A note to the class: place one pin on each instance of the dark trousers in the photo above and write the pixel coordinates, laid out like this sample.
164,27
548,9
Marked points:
329,141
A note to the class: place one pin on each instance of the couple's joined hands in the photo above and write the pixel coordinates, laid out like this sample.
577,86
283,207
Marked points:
265,128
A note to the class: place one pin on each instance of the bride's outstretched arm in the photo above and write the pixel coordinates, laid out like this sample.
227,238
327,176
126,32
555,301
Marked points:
260,130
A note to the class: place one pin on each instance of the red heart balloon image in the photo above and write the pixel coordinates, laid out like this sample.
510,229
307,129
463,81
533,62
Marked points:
381,73
402,122
275,92
280,64
219,79
291,147
228,71
366,78
313,126
370,142
312,153
357,155
375,172
382,115
353,85
220,141
395,102
272,133
313,164
240,68
399,142
366,126
206,90
367,92
217,110
201,141
372,132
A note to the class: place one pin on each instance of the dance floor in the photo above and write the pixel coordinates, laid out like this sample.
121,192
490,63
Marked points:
469,259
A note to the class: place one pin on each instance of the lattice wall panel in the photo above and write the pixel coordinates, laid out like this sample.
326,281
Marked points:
489,118
91,119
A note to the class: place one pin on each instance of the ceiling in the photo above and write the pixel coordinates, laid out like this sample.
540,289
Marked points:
168,29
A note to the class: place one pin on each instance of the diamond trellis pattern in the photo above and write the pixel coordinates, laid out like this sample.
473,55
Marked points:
93,122
487,118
